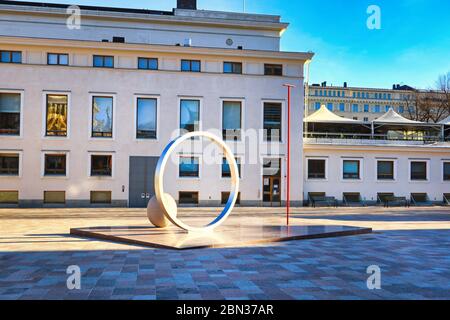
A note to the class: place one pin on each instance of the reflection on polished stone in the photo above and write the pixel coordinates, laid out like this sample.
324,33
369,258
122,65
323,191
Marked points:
236,236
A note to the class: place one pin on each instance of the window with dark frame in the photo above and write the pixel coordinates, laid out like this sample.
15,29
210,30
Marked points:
185,197
148,63
61,59
189,167
316,169
101,165
102,117
226,171
10,113
418,170
446,170
273,69
351,169
54,197
232,120
56,115
146,118
55,165
9,164
232,67
103,61
11,56
385,170
190,65
272,121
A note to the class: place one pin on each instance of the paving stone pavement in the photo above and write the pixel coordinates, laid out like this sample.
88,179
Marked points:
415,264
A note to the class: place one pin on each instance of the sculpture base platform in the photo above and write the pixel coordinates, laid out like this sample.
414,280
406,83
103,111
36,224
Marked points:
236,236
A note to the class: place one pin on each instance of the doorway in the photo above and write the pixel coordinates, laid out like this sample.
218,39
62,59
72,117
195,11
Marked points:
272,182
141,181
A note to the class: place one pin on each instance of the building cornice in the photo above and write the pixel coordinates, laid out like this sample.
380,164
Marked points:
375,148
134,47
204,17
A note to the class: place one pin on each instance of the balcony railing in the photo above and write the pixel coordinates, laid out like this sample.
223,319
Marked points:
363,138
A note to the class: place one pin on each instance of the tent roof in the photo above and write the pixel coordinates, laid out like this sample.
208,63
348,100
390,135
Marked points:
323,115
393,117
446,121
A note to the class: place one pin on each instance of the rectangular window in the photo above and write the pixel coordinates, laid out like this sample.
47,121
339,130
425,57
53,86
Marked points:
316,169
351,169
9,164
103,61
401,109
232,120
101,165
146,118
385,170
9,197
232,67
272,121
387,108
101,197
355,108
190,65
10,113
317,105
366,119
56,115
11,56
148,63
225,195
102,117
55,165
419,170
188,198
189,167
60,59
54,197
226,171
446,171
342,107
273,70
376,109
366,108
330,106
190,115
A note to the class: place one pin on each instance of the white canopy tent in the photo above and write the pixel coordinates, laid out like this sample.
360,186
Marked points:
323,115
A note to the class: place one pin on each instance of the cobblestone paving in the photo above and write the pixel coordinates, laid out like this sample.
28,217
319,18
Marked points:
415,264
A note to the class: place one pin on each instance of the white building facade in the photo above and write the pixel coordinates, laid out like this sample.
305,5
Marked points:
85,113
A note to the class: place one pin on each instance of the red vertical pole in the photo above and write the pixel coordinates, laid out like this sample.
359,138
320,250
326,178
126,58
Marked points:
288,178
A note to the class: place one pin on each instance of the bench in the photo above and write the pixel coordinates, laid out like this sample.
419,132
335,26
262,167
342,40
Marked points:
320,198
353,199
388,199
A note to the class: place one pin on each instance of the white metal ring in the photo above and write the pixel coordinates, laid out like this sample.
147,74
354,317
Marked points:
159,181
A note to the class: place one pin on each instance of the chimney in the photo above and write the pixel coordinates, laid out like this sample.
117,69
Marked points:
187,4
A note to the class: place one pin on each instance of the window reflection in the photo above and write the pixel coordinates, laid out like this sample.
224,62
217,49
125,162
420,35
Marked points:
190,115
146,118
56,115
102,117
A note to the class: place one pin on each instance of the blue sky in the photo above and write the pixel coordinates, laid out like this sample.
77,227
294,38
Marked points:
412,47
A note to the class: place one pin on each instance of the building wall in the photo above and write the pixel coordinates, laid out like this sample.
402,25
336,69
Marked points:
33,79
369,186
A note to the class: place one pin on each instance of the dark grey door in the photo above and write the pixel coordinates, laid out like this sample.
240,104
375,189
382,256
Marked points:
141,188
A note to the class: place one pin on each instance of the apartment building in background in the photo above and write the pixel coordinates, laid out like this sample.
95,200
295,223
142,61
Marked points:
365,104
85,113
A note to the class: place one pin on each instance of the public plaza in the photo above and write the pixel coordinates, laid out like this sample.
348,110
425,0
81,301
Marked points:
410,245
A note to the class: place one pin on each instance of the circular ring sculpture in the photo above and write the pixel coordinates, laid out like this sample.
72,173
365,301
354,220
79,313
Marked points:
165,201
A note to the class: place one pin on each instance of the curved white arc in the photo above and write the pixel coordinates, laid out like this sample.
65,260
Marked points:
159,181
